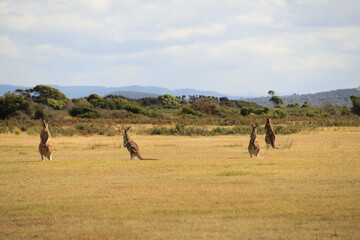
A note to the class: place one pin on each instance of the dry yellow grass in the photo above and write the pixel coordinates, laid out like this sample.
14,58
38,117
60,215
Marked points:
201,188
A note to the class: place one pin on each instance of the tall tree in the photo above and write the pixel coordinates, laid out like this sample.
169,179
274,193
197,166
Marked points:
12,105
46,95
356,104
276,100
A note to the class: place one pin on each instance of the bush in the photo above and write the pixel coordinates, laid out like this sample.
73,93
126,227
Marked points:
279,114
169,101
39,112
56,104
84,111
206,105
311,114
293,105
134,108
245,111
331,108
12,105
356,104
189,110
181,129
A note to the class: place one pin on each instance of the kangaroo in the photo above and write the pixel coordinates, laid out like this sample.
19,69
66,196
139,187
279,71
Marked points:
254,147
270,134
131,146
45,146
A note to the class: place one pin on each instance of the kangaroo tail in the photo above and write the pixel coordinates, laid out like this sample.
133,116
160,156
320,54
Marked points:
141,158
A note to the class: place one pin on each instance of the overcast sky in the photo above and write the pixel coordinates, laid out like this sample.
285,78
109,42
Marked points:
236,47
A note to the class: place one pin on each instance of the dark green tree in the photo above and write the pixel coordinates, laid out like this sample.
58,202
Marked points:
293,105
305,105
356,104
84,111
46,95
276,100
12,105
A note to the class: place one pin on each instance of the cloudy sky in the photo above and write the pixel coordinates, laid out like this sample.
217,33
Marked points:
236,47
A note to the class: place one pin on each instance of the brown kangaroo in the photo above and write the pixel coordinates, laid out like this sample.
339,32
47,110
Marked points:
270,134
45,146
131,146
254,147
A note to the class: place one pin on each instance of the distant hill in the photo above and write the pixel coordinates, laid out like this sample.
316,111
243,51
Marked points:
134,95
161,91
339,97
128,91
10,88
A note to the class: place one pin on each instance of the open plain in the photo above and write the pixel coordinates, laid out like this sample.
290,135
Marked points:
200,188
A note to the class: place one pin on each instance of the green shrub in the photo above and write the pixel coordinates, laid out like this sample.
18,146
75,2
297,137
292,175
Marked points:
245,111
325,114
39,112
356,104
311,114
56,104
279,114
12,105
293,105
169,101
188,110
134,108
84,111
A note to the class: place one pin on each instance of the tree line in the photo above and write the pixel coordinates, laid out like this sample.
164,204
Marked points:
34,102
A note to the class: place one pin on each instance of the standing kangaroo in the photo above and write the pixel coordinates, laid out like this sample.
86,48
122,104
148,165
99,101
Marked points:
270,134
254,147
45,146
131,146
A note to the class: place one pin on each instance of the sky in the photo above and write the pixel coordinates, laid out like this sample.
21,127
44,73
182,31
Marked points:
235,47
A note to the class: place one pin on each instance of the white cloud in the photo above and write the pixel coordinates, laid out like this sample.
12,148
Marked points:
9,47
312,62
302,2
48,51
256,18
351,45
185,33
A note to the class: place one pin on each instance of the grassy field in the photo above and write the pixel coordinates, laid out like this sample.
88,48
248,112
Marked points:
201,188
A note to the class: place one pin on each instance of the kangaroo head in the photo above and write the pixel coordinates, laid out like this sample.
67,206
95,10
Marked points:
254,128
268,120
126,130
45,123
